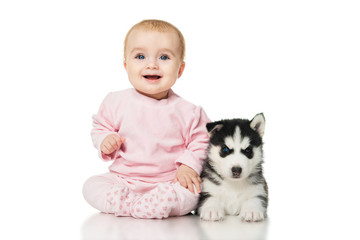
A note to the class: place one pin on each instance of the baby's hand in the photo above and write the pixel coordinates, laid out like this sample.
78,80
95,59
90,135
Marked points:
111,143
187,177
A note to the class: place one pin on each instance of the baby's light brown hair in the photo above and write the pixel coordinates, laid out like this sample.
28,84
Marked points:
159,26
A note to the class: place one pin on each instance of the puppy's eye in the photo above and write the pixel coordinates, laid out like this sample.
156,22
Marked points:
248,152
225,149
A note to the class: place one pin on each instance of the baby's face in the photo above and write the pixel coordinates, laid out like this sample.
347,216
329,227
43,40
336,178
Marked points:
153,62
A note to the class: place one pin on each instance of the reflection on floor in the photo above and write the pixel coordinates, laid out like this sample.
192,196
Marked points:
107,226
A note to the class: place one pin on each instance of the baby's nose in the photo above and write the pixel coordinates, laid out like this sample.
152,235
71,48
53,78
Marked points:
152,64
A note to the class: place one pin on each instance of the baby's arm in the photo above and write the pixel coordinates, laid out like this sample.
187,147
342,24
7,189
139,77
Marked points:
191,161
105,129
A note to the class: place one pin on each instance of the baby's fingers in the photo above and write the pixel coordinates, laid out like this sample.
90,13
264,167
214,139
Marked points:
190,184
175,180
186,182
183,181
111,143
105,149
109,147
116,142
197,184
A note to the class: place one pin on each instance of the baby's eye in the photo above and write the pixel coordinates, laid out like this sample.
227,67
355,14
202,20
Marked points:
140,56
164,57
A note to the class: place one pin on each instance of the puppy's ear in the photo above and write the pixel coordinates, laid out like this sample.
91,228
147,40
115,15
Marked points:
213,127
258,124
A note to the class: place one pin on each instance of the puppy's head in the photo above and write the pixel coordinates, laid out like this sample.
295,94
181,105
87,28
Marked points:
236,146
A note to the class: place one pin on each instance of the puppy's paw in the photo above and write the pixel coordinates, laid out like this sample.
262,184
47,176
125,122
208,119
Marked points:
252,215
212,214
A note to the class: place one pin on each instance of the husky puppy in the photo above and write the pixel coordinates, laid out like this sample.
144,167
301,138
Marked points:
232,177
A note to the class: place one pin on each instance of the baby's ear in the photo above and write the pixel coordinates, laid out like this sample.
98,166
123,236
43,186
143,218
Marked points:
125,65
181,69
258,124
214,127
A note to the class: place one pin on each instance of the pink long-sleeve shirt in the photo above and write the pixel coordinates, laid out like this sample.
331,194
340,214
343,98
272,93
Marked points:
160,135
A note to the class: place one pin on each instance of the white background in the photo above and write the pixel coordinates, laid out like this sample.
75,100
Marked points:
296,61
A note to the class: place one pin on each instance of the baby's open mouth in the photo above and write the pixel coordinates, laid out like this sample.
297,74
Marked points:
152,77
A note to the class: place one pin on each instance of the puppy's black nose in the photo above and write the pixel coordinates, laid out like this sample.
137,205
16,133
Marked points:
236,171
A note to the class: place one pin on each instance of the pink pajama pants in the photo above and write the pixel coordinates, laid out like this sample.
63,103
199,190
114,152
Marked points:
110,193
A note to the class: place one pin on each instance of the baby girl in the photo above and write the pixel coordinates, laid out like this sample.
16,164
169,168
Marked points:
156,139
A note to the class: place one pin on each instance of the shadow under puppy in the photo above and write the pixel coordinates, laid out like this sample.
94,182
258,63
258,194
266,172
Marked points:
232,177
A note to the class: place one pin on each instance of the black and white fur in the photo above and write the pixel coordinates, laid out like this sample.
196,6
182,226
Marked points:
232,177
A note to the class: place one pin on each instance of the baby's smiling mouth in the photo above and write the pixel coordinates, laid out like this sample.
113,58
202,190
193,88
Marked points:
152,77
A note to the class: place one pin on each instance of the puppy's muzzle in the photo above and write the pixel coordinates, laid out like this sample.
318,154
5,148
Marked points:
236,172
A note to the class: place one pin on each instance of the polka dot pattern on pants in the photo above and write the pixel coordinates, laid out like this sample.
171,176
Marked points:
158,203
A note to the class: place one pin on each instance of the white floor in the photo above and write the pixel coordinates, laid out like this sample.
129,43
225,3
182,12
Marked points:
104,226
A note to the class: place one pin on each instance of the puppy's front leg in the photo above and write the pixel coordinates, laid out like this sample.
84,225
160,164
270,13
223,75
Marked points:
252,210
211,210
